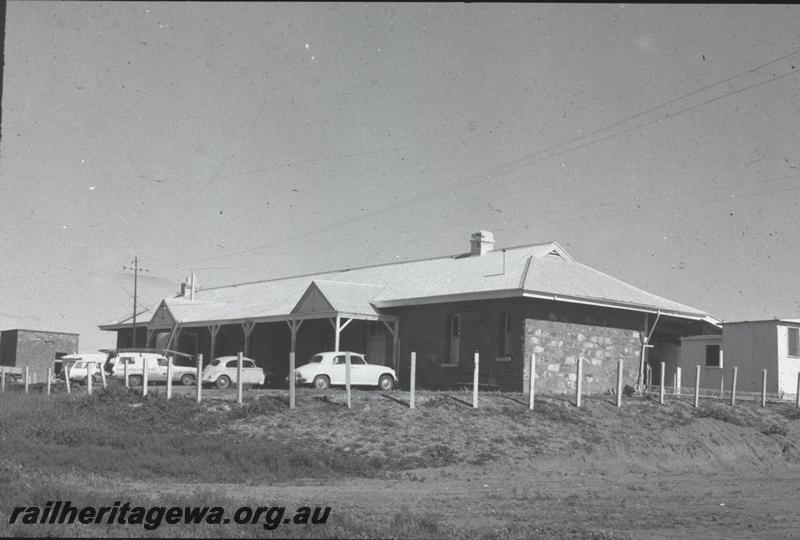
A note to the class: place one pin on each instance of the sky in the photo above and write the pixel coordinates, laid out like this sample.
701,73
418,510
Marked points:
657,143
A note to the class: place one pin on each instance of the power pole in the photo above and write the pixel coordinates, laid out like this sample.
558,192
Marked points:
136,269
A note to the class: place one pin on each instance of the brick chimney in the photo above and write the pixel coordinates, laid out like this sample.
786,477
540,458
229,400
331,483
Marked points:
481,242
189,287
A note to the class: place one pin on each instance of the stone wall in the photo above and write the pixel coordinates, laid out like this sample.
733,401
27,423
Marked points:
558,345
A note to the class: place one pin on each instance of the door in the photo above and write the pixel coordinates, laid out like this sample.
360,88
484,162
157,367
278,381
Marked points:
157,369
376,343
455,338
359,372
337,369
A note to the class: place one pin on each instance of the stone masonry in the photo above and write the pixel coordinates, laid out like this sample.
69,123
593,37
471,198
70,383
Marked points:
558,345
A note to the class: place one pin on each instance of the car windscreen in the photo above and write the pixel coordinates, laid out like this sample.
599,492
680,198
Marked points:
214,362
317,358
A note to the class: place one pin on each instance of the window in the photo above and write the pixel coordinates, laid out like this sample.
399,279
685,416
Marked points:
162,361
794,341
712,356
356,360
504,337
453,341
338,360
248,364
455,326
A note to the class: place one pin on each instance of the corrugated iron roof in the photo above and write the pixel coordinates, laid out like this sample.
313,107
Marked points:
541,268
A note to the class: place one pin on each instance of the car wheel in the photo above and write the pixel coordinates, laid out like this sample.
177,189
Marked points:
386,382
187,380
223,382
135,380
322,382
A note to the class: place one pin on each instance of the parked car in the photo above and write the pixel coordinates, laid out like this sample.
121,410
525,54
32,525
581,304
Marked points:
80,366
156,369
222,372
328,369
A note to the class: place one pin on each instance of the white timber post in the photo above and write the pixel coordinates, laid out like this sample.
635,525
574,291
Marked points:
413,380
619,383
49,379
294,327
347,377
103,374
764,388
662,377
697,387
678,374
27,376
733,386
145,376
531,379
336,339
292,382
199,377
797,397
66,377
579,382
476,378
239,378
89,378
169,377
125,371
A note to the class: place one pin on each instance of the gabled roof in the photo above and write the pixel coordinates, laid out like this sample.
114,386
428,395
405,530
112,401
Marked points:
539,270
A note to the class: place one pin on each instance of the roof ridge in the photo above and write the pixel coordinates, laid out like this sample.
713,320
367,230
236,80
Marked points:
455,257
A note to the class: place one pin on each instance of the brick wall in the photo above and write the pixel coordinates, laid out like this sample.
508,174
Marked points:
426,331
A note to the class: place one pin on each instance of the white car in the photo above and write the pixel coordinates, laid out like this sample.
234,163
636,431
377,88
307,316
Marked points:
156,369
328,368
80,365
222,372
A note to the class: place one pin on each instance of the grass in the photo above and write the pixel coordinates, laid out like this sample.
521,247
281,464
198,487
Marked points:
64,446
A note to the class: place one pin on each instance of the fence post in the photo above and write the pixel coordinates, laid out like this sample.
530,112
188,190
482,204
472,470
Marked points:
199,377
619,383
412,383
103,374
239,378
722,383
27,375
347,378
66,378
678,373
89,378
579,382
697,387
797,397
764,388
3,379
475,378
169,377
531,380
663,376
292,382
125,370
733,386
145,376
49,371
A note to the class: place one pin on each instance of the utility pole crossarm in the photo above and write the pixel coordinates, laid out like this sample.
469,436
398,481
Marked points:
136,269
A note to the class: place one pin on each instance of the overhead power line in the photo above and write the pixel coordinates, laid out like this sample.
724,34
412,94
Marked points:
540,155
